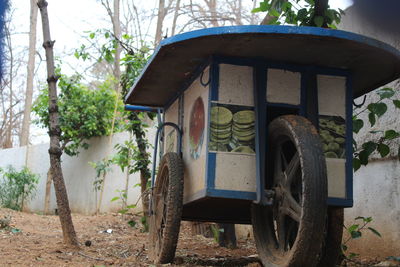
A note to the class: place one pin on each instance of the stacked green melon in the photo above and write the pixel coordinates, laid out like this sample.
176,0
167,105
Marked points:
221,128
243,131
332,134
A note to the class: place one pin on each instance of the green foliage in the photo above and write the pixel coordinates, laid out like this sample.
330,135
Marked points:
300,13
355,231
16,187
84,113
101,167
382,139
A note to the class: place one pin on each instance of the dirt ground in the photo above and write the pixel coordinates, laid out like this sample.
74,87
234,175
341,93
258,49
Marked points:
36,240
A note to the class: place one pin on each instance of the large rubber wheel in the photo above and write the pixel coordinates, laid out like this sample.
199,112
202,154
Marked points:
291,231
166,211
332,249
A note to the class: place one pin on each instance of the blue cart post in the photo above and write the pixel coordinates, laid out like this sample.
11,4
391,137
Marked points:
264,118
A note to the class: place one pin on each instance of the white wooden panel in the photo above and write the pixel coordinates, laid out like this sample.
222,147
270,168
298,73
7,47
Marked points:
283,86
195,169
235,172
336,177
171,115
332,95
236,85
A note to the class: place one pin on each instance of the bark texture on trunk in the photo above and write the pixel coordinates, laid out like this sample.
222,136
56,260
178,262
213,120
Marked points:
160,21
117,33
47,194
55,152
24,141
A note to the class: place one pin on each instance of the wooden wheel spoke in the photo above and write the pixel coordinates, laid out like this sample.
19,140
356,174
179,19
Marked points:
291,207
291,169
281,231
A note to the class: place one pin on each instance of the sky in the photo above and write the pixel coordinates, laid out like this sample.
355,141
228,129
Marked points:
69,22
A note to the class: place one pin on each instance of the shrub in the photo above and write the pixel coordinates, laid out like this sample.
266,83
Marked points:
16,187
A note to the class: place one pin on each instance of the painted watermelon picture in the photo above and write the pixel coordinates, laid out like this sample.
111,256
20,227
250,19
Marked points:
196,128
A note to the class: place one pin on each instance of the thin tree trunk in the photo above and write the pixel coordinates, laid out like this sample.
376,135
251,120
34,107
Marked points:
212,6
24,141
47,194
239,13
176,13
117,33
125,202
160,21
55,132
8,138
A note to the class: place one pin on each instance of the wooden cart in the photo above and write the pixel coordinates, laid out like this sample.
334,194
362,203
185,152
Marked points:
257,129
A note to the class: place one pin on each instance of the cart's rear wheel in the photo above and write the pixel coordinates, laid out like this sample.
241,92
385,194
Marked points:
166,212
332,249
291,232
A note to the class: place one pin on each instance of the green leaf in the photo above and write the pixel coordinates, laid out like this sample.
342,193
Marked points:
352,255
274,12
91,35
371,117
319,20
131,206
132,223
353,228
391,134
374,231
302,14
114,199
396,103
363,156
123,211
369,147
356,234
383,149
386,93
359,218
356,164
256,10
357,125
377,108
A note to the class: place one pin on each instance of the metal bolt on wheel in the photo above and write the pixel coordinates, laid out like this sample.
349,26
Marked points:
291,232
166,209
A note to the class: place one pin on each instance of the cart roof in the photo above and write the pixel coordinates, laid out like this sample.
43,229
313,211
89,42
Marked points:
373,63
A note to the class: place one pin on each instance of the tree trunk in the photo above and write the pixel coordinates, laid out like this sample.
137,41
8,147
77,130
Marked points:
212,7
24,141
55,132
176,13
227,235
117,33
47,194
8,143
160,21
